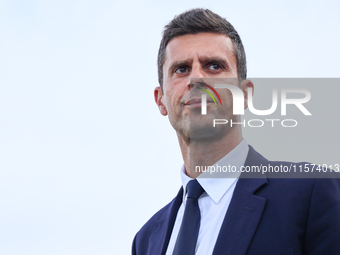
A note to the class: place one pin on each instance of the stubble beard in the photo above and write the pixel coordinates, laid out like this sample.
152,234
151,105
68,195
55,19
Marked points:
198,128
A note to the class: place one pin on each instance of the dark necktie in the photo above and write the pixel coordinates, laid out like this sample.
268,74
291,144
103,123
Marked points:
188,233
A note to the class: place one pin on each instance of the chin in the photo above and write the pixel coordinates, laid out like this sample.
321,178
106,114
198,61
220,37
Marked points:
208,133
201,127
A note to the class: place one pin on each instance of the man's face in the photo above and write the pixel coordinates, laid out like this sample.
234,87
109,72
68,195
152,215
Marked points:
203,55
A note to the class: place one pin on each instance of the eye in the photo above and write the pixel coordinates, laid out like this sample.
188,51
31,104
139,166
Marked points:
181,69
214,66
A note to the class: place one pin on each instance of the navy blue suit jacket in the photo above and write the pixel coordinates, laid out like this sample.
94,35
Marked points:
265,216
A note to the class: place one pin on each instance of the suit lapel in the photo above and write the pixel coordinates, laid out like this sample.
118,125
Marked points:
244,212
159,240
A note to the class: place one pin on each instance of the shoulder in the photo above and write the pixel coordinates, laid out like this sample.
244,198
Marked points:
300,182
155,220
308,202
155,223
304,177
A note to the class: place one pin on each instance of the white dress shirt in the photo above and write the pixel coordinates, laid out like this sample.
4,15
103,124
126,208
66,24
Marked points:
213,203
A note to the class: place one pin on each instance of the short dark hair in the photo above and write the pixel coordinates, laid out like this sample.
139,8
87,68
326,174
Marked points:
197,21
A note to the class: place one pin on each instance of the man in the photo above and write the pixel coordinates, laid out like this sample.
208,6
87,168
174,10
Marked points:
252,215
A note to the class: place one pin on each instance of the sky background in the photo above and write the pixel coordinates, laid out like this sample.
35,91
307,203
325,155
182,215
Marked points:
85,156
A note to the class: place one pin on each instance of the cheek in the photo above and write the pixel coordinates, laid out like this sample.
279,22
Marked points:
167,100
227,100
173,94
170,96
226,95
171,103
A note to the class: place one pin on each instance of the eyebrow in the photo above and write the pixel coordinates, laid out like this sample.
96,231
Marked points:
187,62
219,60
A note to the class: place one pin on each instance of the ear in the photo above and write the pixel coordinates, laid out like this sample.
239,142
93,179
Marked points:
245,84
158,93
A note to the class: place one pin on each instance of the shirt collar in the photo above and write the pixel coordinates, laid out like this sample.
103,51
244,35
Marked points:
213,183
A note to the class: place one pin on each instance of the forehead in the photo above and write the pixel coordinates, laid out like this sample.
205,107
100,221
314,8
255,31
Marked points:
201,44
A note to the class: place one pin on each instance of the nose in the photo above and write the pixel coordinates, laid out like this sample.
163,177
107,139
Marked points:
197,73
189,85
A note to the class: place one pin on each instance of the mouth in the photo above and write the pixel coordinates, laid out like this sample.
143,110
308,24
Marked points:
196,102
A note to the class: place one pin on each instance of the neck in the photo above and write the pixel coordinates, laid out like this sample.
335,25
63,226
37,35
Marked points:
206,152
